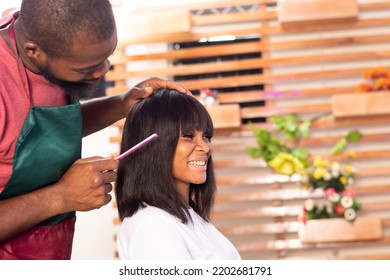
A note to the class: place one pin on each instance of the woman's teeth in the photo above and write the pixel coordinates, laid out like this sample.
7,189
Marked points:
197,163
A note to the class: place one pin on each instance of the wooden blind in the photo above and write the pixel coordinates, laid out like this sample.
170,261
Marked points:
302,68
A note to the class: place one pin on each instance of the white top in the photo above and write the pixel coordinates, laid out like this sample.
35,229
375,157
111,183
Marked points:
154,234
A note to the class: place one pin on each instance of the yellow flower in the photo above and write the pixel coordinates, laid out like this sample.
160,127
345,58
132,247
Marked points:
352,154
317,161
320,162
349,169
343,180
319,173
286,164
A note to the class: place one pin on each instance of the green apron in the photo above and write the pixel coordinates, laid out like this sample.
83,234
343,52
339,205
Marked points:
49,143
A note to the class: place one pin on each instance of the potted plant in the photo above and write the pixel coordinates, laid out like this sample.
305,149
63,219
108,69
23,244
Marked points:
282,151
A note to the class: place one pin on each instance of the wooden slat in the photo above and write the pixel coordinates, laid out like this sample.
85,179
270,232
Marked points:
282,227
199,5
213,4
247,64
252,47
366,257
262,179
294,194
292,13
265,111
203,20
363,104
326,123
262,95
287,211
248,80
264,228
295,244
379,5
249,162
270,228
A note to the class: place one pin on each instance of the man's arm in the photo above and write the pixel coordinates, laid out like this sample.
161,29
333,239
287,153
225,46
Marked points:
85,186
101,112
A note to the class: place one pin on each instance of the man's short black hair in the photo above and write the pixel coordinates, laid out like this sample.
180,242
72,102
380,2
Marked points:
54,24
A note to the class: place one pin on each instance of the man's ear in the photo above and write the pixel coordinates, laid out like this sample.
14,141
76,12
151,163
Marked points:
35,53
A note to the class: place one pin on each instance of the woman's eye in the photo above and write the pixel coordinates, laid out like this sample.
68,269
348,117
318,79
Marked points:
207,138
188,135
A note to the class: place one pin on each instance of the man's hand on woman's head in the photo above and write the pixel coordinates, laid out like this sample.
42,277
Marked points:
146,88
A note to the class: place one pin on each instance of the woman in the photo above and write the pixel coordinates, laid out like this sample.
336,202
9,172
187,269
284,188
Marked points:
165,190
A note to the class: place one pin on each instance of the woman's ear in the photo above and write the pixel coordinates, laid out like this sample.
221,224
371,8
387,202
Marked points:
35,53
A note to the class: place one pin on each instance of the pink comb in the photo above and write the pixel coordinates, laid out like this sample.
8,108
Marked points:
136,147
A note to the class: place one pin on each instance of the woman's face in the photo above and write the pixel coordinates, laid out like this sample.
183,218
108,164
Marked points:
190,160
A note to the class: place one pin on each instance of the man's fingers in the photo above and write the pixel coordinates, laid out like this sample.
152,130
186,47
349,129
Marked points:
158,83
109,176
99,163
184,90
107,188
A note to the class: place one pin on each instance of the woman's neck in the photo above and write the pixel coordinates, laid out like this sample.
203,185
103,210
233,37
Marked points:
184,191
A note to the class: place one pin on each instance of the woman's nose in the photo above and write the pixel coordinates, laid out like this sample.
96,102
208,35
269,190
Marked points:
204,145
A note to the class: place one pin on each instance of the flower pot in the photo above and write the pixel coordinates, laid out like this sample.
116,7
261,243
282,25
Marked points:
361,104
340,230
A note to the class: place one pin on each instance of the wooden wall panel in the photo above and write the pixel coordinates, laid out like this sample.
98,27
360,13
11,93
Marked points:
303,67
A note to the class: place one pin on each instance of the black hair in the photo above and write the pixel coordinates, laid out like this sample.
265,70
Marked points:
55,24
146,175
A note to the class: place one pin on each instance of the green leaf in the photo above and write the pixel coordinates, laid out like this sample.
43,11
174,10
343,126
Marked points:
254,152
354,136
304,128
301,153
263,137
339,147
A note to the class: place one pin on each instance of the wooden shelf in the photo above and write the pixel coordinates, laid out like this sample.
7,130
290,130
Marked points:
361,104
297,12
225,116
340,230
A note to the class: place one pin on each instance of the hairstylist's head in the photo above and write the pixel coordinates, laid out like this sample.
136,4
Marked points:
67,41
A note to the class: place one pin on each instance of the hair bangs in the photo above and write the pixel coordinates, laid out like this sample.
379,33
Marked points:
194,117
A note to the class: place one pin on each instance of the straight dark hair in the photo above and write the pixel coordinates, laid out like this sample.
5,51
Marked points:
145,177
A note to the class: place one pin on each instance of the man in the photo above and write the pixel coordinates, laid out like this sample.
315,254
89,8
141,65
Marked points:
53,53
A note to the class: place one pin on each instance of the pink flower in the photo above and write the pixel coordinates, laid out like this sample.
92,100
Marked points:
329,192
349,193
335,197
302,219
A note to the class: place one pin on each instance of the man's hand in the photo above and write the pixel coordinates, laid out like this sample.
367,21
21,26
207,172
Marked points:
87,184
146,88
